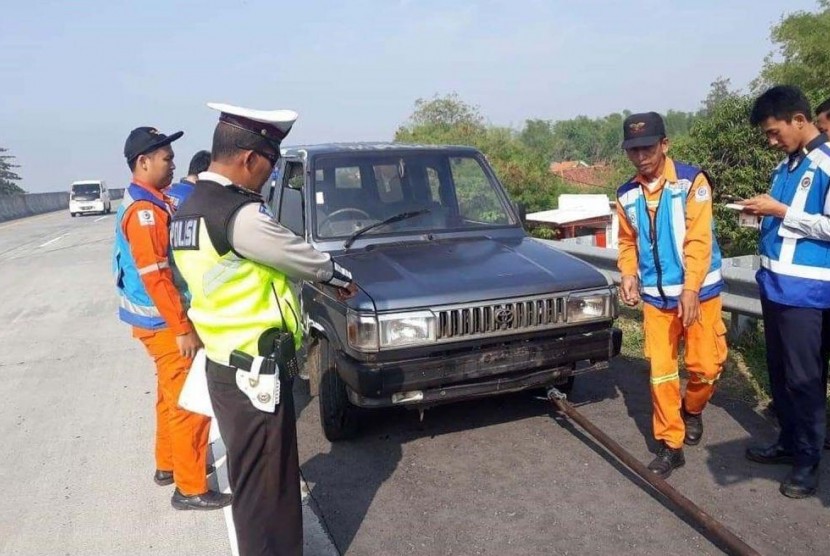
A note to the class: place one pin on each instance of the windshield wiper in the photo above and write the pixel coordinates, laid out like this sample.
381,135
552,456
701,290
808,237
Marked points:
391,220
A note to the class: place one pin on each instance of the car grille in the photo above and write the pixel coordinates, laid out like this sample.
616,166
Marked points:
494,319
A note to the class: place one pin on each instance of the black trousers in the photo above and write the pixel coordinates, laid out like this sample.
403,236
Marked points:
798,345
263,467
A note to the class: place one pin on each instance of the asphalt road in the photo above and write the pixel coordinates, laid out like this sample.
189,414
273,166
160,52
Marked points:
499,476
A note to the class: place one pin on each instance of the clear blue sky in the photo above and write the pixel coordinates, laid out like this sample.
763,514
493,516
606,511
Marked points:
78,75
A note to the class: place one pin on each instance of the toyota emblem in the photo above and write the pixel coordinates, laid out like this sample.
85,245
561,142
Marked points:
503,317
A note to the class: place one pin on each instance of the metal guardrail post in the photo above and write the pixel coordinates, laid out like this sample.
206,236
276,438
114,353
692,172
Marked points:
740,296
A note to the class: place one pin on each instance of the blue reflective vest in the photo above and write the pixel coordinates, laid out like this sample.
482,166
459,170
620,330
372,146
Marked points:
795,269
660,250
135,306
178,192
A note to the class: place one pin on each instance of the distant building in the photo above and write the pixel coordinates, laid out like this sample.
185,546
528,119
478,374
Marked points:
580,216
581,174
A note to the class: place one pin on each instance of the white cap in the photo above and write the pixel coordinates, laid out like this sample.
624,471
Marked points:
271,124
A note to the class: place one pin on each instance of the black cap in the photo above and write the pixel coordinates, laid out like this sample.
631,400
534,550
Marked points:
143,140
643,130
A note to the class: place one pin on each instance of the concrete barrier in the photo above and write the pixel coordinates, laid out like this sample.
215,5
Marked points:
20,206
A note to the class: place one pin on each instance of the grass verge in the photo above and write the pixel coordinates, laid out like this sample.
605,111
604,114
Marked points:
745,373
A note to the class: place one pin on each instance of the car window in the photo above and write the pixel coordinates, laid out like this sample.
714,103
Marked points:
290,213
478,201
355,190
347,178
388,182
434,183
86,189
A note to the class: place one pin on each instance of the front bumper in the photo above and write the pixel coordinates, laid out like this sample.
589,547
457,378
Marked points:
79,207
484,371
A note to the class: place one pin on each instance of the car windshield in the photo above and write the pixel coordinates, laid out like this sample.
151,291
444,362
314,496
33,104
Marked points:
434,191
86,189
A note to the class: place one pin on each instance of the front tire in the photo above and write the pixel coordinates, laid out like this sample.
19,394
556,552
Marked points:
338,417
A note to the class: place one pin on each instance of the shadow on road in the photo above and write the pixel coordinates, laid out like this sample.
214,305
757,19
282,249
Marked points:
346,479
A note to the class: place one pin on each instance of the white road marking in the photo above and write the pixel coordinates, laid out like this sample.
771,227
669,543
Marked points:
52,240
101,218
220,463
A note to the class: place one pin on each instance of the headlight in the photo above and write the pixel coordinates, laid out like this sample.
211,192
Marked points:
362,331
370,333
588,306
406,329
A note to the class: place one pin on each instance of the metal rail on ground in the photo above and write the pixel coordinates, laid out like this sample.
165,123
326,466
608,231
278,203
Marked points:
716,531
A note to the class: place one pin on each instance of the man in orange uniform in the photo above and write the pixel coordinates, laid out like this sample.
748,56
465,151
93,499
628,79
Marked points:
668,256
150,302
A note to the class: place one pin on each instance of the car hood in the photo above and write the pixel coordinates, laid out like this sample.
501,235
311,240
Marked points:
442,272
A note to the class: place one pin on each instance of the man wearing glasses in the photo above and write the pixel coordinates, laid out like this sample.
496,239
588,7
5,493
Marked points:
237,261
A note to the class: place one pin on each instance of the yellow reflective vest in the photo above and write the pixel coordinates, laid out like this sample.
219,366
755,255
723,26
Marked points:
233,300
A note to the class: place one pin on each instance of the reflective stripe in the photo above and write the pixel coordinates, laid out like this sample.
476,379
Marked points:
799,202
221,273
143,310
630,197
679,226
796,270
661,379
673,291
155,267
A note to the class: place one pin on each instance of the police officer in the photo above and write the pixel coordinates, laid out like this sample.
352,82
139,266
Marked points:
794,281
237,260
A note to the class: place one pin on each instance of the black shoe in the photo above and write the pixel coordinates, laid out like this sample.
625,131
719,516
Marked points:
694,427
210,500
164,478
667,460
769,454
801,482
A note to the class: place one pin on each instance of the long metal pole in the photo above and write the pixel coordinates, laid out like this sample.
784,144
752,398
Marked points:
707,522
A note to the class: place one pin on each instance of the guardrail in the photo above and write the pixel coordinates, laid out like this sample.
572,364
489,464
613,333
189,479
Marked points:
29,204
741,297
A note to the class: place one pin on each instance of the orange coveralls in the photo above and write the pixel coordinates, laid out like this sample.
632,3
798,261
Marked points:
181,436
705,340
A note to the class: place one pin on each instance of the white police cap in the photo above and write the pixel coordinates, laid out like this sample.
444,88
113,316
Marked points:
273,125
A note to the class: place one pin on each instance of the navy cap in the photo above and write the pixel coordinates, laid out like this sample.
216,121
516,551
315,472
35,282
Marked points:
643,130
143,140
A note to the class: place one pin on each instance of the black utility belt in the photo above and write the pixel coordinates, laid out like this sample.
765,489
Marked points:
226,374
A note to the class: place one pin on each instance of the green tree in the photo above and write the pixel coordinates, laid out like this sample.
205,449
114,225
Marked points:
449,120
538,136
736,157
803,56
719,91
7,174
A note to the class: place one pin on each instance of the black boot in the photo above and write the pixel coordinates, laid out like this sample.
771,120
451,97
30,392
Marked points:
667,460
694,427
164,478
801,482
770,455
210,500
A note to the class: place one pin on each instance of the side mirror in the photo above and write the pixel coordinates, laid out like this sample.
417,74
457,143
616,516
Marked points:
522,210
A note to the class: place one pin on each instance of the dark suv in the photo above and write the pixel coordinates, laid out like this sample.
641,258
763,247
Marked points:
455,302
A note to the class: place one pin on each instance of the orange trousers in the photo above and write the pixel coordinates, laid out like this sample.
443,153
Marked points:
705,343
181,436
